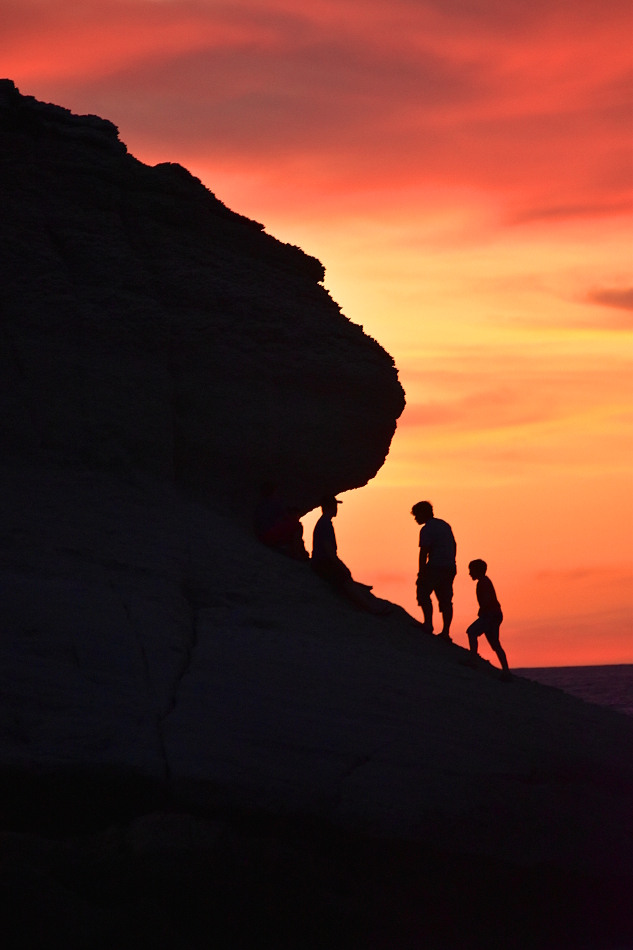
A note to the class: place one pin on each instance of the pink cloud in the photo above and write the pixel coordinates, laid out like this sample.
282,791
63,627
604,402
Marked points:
515,98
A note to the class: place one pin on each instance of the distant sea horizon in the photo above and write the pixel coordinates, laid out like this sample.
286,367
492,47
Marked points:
609,685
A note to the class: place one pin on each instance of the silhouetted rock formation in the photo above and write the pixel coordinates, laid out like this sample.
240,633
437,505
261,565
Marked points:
146,327
160,356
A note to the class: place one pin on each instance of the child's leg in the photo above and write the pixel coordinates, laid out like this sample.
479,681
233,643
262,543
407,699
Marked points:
474,632
502,656
492,636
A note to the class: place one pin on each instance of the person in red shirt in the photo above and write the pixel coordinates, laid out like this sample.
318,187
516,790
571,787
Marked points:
490,615
277,525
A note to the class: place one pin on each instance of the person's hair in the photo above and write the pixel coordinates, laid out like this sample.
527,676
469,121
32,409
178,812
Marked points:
478,563
423,509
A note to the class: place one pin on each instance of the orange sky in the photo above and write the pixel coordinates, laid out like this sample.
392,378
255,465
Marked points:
463,170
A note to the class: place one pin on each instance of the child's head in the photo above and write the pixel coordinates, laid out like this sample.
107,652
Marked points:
477,569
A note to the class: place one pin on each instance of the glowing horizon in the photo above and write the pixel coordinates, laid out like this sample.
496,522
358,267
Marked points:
464,175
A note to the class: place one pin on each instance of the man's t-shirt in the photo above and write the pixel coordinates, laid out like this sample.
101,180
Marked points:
323,540
437,536
487,597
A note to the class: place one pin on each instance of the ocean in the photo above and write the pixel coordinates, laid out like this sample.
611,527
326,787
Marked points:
605,685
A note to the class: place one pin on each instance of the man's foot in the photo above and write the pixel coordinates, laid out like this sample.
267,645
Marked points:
426,628
445,635
506,676
470,661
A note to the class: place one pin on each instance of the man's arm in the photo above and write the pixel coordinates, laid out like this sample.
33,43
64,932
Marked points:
424,556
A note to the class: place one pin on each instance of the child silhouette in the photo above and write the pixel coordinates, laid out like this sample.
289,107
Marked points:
490,616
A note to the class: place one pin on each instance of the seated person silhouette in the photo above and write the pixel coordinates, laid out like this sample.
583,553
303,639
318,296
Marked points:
327,564
490,616
277,525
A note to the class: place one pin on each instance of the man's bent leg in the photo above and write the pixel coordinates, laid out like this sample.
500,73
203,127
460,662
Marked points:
363,598
424,588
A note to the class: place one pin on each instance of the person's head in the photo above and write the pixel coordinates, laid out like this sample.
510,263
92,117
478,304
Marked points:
422,511
329,506
477,569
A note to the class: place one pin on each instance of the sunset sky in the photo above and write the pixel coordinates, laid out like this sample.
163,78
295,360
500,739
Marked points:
463,170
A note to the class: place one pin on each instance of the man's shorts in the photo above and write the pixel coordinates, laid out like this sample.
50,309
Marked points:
438,581
334,572
488,625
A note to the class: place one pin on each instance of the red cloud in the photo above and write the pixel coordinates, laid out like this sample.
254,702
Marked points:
521,99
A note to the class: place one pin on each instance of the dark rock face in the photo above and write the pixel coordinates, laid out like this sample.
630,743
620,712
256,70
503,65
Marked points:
171,881
145,327
159,356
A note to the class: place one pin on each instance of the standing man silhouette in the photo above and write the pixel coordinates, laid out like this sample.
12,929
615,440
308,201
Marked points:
437,567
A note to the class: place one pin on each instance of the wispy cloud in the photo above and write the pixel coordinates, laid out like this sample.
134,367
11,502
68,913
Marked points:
614,310
518,99
488,409
613,297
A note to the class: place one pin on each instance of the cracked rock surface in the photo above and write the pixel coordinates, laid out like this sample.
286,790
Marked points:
161,356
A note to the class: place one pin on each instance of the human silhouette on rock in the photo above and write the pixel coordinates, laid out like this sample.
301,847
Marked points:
277,525
489,618
327,564
437,567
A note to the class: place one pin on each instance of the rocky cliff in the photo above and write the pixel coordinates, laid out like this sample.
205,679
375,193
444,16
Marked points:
161,355
147,328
